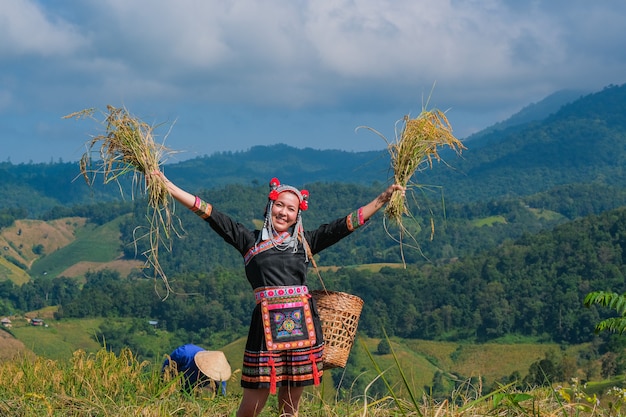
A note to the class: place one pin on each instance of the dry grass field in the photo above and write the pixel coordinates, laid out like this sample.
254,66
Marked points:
123,266
19,240
69,247
12,348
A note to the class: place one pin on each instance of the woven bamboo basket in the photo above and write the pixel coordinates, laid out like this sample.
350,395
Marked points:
339,313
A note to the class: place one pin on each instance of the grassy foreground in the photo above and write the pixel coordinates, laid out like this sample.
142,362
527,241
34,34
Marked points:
106,384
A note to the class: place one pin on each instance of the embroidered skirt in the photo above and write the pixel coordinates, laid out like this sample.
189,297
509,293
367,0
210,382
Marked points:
263,368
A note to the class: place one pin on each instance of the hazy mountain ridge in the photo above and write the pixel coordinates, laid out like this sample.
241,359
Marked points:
583,142
534,112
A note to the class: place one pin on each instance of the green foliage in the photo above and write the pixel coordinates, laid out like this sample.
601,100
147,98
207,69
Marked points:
97,214
10,214
579,144
16,262
507,400
542,373
533,286
38,249
613,301
49,185
384,347
468,397
559,233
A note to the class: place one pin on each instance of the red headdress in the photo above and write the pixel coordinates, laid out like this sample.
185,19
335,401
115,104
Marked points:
268,229
276,188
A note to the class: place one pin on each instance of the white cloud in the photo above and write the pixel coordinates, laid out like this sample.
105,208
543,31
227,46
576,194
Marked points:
357,58
25,29
300,53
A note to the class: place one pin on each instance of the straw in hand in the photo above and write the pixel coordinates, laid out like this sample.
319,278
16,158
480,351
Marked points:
127,147
415,148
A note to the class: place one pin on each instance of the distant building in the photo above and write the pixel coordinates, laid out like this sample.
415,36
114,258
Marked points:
36,322
6,322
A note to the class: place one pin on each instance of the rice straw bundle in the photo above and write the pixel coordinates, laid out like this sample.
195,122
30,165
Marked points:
415,148
128,148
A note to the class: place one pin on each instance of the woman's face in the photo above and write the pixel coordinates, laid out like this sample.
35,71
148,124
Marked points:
285,211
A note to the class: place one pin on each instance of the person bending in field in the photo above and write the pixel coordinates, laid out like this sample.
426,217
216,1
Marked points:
200,368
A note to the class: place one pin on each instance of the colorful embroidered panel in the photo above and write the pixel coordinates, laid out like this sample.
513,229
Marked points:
287,322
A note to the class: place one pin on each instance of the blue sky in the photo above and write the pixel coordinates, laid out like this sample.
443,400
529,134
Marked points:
225,75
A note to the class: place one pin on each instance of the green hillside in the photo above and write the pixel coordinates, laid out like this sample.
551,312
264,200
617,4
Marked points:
92,243
581,142
59,339
71,247
526,223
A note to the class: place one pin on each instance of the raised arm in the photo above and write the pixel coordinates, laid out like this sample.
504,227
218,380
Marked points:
379,202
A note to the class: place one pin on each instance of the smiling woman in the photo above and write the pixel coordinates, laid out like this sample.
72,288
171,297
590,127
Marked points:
285,346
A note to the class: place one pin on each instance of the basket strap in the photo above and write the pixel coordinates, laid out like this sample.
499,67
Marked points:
308,251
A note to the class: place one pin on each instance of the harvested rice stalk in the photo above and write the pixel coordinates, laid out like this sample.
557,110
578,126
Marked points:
415,148
127,147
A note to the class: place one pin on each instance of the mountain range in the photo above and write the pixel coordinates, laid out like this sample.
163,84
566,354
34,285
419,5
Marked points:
542,147
567,161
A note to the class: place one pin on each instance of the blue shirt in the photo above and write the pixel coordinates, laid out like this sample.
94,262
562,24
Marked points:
183,356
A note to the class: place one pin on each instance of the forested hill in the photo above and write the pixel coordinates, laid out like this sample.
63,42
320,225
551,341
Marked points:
532,286
582,143
533,219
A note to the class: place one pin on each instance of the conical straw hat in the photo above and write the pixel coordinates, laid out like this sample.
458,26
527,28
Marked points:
213,364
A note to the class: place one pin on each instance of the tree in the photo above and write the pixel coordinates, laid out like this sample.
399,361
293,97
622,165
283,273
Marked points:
38,249
383,347
609,365
440,389
541,373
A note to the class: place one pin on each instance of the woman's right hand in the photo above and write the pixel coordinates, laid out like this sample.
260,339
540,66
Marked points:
182,196
157,173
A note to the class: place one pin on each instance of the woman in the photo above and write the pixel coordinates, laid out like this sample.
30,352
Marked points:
285,341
